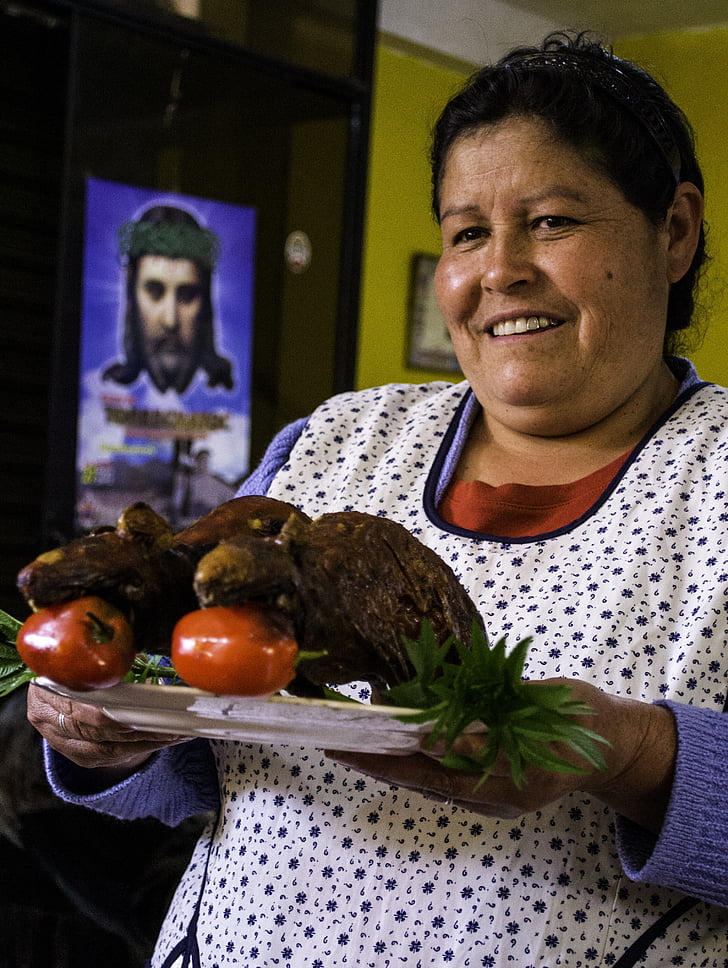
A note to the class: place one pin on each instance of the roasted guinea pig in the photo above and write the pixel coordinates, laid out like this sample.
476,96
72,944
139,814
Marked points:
353,585
142,567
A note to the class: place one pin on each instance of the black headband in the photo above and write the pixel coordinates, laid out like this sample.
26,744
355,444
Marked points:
614,80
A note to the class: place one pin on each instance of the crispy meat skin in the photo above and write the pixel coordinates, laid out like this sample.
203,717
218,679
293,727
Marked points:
353,584
253,514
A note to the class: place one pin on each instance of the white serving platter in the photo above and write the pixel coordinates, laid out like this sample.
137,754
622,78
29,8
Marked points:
278,719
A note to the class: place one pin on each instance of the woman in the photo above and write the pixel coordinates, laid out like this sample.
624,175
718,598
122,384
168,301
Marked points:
559,481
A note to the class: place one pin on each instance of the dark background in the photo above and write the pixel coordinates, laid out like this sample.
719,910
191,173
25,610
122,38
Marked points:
253,104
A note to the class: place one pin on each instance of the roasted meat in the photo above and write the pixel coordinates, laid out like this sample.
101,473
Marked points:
142,567
252,515
353,584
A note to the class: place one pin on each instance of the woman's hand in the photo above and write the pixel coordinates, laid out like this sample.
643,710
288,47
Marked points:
636,782
85,735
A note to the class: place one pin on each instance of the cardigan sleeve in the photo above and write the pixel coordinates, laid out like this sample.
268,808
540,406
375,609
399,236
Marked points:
274,458
691,851
176,783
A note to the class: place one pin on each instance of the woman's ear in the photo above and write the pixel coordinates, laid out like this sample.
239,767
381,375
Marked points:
684,221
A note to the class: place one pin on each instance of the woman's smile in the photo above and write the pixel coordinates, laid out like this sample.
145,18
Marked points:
523,324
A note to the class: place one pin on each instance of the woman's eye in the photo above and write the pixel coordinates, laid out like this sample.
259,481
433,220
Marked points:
553,221
470,234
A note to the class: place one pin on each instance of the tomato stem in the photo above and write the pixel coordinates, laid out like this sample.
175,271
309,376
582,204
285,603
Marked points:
306,656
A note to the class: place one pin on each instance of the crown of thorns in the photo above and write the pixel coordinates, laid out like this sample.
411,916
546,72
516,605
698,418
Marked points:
178,241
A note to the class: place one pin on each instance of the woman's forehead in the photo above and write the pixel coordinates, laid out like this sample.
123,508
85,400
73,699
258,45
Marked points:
515,149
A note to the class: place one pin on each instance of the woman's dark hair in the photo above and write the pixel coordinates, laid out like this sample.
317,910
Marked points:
610,110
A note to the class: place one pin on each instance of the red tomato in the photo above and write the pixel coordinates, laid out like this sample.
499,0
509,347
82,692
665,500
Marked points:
82,644
238,650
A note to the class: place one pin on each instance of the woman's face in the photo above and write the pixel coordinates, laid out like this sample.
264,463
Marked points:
554,288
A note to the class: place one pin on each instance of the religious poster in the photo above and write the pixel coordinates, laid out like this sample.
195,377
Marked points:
165,359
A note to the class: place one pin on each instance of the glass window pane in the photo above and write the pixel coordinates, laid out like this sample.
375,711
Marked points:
317,34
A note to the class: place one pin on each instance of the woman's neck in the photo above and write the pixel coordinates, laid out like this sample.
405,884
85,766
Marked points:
497,454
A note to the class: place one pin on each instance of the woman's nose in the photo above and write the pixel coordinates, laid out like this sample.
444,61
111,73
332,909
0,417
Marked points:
507,262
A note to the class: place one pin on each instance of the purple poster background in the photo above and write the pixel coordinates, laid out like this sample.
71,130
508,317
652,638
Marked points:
184,452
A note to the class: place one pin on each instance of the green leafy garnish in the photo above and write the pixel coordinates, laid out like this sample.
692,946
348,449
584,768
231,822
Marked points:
486,685
154,669
13,671
9,628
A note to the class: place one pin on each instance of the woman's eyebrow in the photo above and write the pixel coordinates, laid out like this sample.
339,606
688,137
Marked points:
460,210
567,192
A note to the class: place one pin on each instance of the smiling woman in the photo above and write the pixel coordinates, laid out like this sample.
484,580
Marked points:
575,482
555,291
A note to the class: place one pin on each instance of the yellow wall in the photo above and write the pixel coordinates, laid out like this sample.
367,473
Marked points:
408,95
691,66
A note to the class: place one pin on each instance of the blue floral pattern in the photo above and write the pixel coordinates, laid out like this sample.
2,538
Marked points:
312,864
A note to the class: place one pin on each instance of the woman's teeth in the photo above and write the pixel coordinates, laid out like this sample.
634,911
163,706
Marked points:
523,324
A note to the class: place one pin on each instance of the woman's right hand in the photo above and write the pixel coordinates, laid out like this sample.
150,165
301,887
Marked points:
89,738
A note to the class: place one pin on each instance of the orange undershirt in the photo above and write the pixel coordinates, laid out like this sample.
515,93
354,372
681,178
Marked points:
523,510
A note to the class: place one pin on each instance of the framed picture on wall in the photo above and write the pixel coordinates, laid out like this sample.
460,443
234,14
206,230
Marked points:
428,346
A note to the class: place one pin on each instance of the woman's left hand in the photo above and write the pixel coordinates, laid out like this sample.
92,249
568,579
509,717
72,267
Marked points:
636,781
